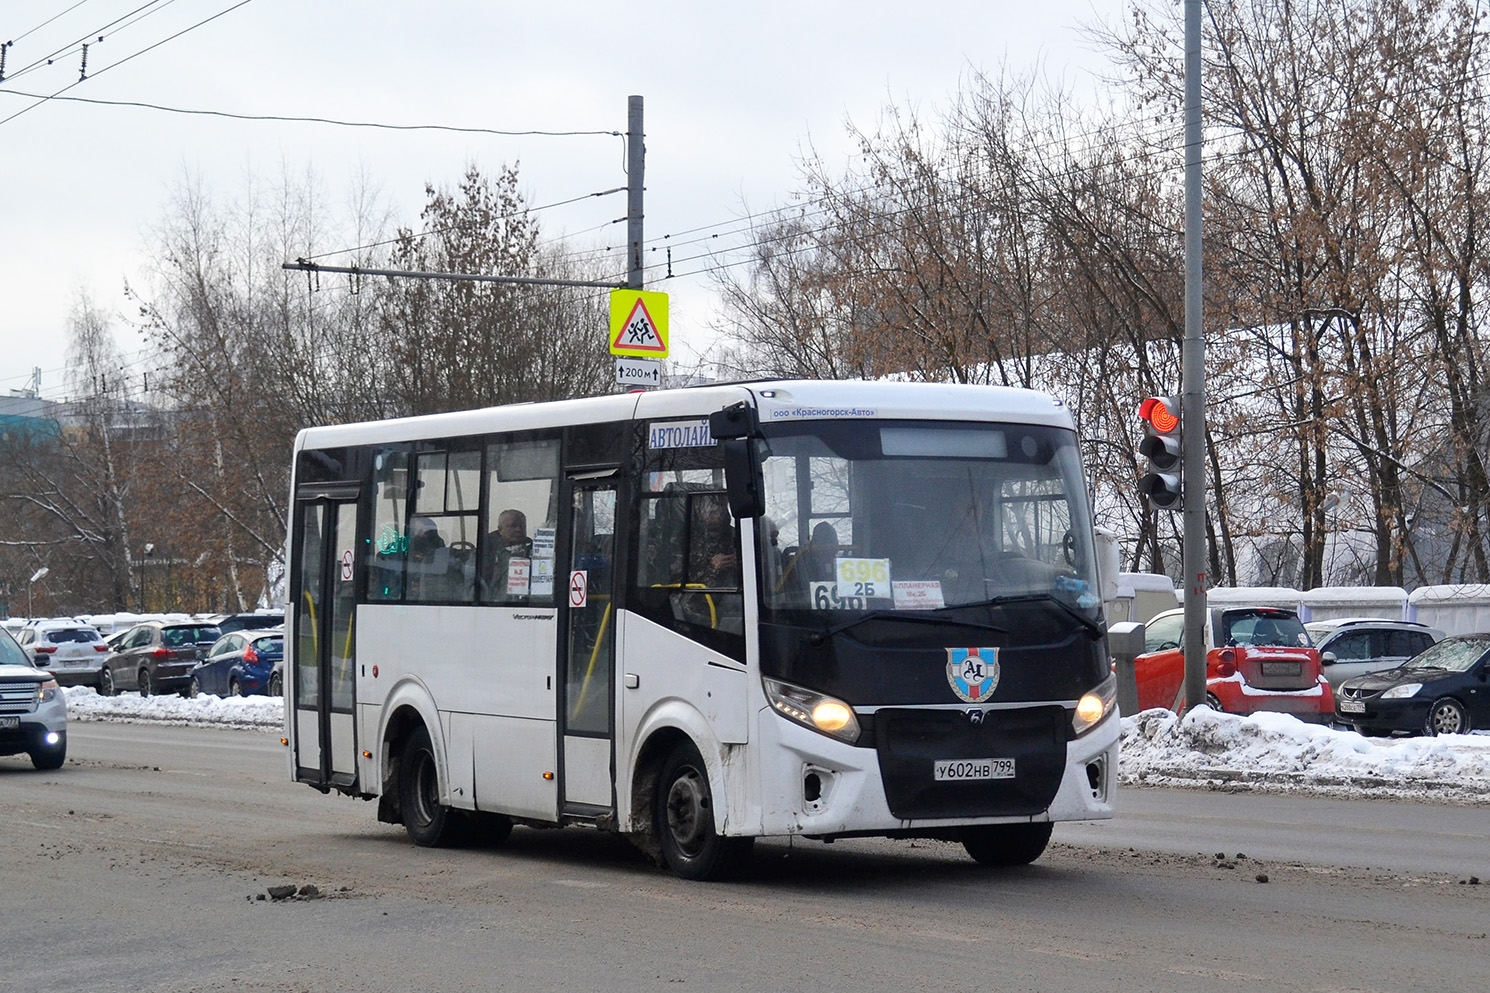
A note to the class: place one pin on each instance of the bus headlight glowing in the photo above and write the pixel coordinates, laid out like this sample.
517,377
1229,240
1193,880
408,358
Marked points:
824,714
1094,707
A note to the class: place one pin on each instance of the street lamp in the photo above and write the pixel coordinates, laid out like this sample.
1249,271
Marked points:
149,550
39,574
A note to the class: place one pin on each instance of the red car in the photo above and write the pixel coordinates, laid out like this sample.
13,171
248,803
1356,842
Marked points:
1257,659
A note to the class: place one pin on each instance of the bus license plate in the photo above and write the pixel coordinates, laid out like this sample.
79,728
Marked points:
1352,706
963,769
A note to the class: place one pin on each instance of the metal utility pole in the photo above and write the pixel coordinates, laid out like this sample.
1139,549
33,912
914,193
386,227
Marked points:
1192,374
636,158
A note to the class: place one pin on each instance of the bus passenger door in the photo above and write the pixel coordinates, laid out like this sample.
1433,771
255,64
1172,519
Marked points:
323,683
587,651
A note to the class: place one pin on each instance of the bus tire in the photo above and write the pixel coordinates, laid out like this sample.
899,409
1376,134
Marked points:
429,822
683,815
1006,844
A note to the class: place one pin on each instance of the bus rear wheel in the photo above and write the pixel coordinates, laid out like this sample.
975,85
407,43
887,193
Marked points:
429,822
1006,844
683,815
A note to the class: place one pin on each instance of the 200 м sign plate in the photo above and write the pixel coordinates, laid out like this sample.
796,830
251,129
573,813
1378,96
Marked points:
944,770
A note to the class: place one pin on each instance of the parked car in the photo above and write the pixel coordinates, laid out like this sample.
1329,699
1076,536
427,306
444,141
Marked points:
1257,659
158,656
1354,646
33,712
261,620
73,652
238,664
1445,690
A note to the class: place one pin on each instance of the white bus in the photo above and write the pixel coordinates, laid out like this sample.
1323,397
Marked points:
702,616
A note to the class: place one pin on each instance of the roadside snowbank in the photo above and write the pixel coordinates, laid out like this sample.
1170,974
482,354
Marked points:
243,712
1279,753
1264,752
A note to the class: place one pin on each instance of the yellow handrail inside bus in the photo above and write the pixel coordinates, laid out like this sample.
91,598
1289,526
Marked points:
708,597
584,686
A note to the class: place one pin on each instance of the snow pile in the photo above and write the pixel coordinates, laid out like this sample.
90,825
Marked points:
257,712
1279,753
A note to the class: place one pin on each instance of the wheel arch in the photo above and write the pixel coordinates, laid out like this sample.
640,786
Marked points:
669,724
408,707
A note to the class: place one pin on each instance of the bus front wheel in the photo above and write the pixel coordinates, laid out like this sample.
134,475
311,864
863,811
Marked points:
429,822
683,813
1006,844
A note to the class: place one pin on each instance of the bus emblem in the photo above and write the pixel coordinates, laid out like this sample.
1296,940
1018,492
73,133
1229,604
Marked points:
973,672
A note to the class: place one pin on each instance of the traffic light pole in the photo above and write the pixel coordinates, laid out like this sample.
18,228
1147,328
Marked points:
1192,373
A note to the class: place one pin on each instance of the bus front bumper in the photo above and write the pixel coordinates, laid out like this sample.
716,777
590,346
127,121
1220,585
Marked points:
817,786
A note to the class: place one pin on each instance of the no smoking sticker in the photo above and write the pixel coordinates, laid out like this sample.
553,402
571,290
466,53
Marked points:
579,585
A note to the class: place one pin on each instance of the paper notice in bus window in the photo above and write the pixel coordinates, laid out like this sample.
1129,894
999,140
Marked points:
543,542
917,594
519,572
541,581
863,578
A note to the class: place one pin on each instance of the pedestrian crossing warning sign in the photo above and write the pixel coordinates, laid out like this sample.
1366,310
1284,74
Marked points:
638,323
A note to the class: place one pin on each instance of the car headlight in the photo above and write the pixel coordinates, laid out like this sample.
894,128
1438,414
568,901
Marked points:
47,691
818,711
1402,692
1094,707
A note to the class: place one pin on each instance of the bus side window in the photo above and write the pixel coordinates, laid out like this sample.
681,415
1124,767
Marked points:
390,545
519,522
688,573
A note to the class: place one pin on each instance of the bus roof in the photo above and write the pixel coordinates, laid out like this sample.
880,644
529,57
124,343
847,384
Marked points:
778,401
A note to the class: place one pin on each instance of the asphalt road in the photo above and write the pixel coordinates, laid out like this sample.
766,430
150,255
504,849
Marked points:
140,866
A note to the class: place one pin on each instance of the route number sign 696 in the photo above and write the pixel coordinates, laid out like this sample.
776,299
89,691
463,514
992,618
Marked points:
867,578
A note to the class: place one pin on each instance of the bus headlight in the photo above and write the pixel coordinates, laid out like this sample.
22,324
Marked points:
1094,707
824,714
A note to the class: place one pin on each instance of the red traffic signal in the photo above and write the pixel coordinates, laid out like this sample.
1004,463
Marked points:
1160,413
1162,445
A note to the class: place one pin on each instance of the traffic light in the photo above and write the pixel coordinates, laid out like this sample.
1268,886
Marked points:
1162,446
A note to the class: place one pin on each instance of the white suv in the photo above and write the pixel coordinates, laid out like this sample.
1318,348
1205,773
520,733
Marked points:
1354,646
33,714
74,652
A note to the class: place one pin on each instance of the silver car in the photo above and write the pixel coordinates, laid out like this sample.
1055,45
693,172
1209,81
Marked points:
1354,646
33,713
73,651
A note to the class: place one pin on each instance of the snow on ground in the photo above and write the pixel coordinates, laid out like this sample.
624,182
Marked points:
264,713
1265,752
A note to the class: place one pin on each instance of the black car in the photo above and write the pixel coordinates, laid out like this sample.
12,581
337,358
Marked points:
1445,690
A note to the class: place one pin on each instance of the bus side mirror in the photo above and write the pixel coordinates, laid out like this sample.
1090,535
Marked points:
738,428
743,482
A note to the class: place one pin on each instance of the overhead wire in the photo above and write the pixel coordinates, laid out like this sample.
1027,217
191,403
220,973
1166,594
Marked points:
74,46
126,59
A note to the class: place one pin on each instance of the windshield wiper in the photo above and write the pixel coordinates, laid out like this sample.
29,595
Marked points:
923,617
1092,627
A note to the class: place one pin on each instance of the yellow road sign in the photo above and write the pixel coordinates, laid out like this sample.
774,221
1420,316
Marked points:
638,324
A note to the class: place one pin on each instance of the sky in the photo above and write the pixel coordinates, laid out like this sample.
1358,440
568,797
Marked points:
1266,752
732,96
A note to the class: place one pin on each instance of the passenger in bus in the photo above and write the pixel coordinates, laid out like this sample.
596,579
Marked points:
713,561
429,562
509,541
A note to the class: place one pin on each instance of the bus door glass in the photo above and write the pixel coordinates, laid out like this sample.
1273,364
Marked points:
323,687
587,665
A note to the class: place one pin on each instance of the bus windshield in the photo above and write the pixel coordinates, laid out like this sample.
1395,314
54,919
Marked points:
921,515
